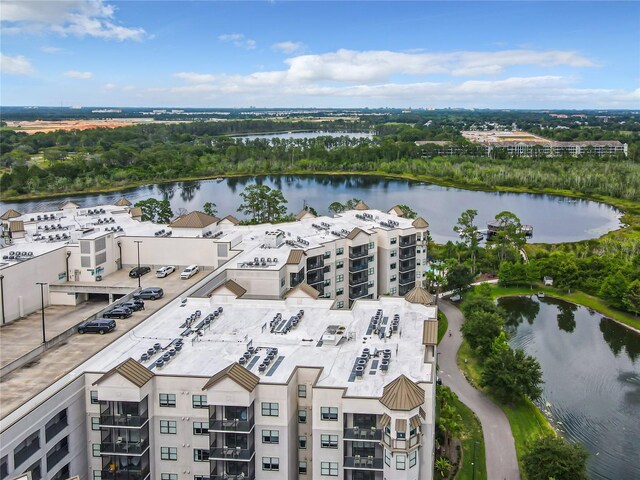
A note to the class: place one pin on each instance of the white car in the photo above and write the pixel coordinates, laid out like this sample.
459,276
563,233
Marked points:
164,271
189,272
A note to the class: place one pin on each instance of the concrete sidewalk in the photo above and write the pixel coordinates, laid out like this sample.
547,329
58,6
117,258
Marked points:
502,462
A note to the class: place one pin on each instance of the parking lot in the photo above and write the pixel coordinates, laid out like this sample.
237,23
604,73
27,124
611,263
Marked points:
24,335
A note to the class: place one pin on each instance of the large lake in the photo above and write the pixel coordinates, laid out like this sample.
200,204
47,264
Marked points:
554,219
591,370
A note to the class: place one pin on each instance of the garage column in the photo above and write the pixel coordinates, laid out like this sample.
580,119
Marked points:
110,298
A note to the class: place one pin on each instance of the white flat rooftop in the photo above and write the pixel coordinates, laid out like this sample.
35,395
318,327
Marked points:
246,323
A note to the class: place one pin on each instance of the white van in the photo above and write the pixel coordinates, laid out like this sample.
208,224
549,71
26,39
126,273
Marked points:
189,272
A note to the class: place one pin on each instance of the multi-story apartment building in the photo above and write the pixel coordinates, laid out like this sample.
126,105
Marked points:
361,253
235,388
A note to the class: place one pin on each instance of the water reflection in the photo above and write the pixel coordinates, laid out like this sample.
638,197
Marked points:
591,373
554,219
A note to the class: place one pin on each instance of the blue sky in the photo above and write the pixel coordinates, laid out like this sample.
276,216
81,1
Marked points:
321,54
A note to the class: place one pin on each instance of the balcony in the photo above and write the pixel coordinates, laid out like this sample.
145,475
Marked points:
314,263
125,474
315,277
363,463
358,266
358,293
407,265
54,457
118,421
358,278
363,434
238,426
124,448
359,252
408,252
231,453
408,241
406,280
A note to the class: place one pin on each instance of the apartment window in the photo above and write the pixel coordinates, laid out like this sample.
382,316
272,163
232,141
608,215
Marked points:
339,278
394,278
281,282
327,282
201,477
95,423
327,254
394,290
201,428
167,399
199,401
168,426
329,413
401,462
97,475
271,463
394,240
371,245
413,458
393,266
95,449
371,270
339,251
387,457
302,391
302,441
394,253
339,264
270,409
329,441
168,453
200,455
168,476
302,416
270,436
339,291
330,469
340,304
94,397
302,468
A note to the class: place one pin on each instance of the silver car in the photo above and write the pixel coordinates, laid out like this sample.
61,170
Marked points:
164,271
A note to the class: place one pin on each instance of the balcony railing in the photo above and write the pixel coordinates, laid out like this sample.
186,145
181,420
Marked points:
231,453
241,426
407,280
363,463
354,294
125,474
407,241
315,265
359,253
363,434
407,265
357,279
358,266
124,448
135,421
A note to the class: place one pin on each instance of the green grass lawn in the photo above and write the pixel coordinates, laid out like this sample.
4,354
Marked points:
578,297
443,325
526,420
471,433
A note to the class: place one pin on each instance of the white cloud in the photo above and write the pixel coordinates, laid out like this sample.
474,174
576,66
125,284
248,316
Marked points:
238,40
93,18
17,65
288,47
110,86
51,50
78,75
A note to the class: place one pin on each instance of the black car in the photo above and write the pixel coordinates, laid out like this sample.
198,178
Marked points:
139,271
152,293
100,325
133,305
118,312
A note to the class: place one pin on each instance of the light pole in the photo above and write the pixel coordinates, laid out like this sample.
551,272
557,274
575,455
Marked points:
138,242
2,296
42,284
473,463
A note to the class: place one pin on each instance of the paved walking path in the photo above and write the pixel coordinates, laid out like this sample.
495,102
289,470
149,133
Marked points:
500,448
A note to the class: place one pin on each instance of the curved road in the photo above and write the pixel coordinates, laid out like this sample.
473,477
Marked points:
500,448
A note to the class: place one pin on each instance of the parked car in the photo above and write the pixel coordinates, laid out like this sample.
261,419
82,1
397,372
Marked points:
152,293
99,325
455,298
118,312
189,272
133,305
139,271
164,271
